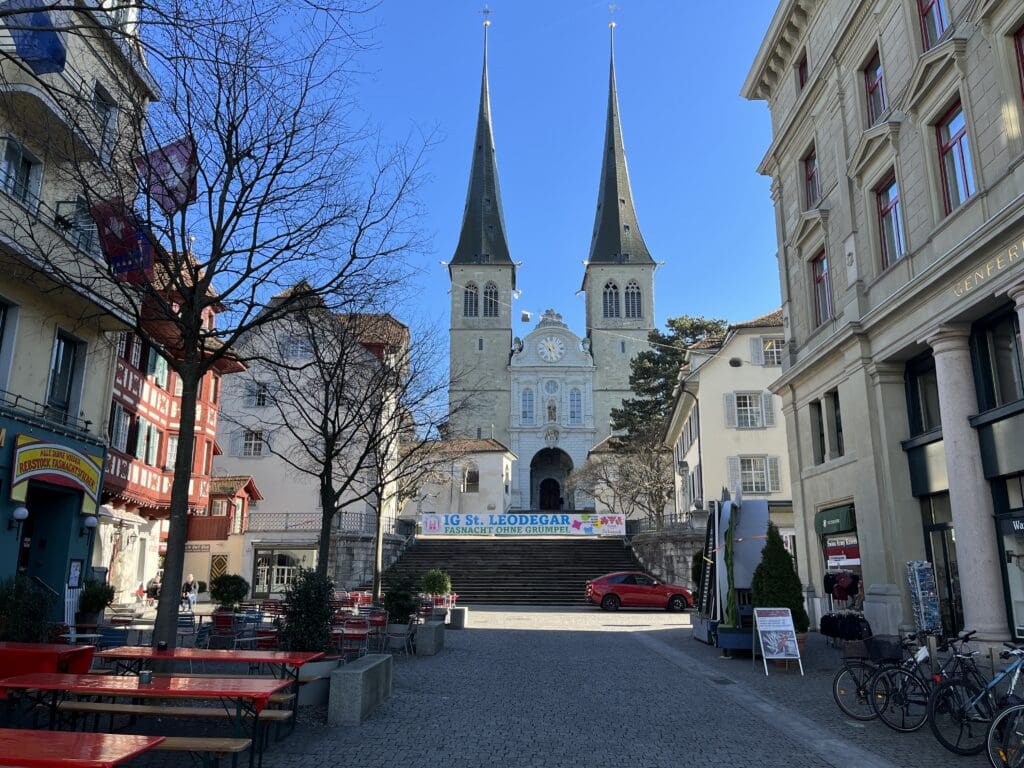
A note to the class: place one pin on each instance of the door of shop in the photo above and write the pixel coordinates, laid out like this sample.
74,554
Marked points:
940,549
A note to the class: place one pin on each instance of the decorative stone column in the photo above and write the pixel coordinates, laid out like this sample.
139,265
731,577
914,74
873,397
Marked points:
981,584
1017,294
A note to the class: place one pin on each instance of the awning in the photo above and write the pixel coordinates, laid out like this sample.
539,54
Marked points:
107,511
835,520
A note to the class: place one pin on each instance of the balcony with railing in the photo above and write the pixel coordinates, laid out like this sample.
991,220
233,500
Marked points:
45,416
208,528
351,523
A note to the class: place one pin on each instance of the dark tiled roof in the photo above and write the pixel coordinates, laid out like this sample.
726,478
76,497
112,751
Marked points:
708,342
616,231
377,328
230,485
482,239
483,445
771,320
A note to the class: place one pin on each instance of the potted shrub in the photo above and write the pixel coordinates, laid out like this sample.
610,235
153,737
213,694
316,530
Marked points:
437,584
92,601
228,590
776,584
24,611
401,602
307,620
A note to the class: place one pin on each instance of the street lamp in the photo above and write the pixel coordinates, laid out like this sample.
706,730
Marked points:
88,525
18,515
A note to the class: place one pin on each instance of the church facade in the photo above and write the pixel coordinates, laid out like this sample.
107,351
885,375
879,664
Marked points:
547,396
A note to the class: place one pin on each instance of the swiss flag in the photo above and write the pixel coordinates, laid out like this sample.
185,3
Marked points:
169,174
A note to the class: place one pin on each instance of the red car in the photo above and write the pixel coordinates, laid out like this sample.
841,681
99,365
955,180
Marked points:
636,589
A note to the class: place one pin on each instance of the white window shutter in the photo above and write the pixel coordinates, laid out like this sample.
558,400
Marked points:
730,409
142,430
236,442
774,478
734,478
768,408
757,351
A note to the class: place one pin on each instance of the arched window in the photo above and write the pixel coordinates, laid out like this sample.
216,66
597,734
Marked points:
634,306
471,479
552,411
490,300
527,409
611,299
575,407
470,301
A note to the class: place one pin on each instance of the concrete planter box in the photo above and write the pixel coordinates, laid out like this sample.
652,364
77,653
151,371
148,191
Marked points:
316,692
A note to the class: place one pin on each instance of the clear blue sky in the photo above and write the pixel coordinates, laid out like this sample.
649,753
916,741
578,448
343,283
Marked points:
692,142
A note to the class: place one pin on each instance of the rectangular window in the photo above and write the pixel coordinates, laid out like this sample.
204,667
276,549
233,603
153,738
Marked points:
136,352
771,350
817,432
923,396
252,442
214,388
208,458
153,446
955,158
64,375
156,366
106,122
122,344
141,438
22,174
822,288
219,508
890,222
934,20
811,190
480,345
759,474
172,452
261,394
1000,361
874,88
1018,49
299,346
120,422
801,71
748,410
834,424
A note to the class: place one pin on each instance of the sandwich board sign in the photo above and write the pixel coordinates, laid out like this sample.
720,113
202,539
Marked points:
776,636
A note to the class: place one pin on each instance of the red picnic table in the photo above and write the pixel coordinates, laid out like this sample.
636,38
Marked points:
62,749
19,658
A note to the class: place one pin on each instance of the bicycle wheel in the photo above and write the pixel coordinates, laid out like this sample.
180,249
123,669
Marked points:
850,690
1005,739
959,714
900,698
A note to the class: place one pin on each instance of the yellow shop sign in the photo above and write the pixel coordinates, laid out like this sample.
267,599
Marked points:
54,463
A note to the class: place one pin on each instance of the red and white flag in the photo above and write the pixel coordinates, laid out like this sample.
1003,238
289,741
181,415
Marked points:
124,242
169,174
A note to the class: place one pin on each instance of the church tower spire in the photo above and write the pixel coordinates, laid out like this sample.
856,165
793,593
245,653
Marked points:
617,237
483,281
482,239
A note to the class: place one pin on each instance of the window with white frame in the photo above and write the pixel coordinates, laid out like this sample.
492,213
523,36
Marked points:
252,442
299,346
106,120
471,479
120,422
575,407
156,366
749,410
23,174
526,411
766,350
65,376
756,475
172,452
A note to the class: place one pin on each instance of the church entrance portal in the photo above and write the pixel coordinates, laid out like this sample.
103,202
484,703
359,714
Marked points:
549,470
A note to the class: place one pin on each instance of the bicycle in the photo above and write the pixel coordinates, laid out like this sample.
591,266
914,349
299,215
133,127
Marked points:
961,710
1005,738
899,695
851,686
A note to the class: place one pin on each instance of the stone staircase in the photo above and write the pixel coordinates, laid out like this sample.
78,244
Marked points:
521,571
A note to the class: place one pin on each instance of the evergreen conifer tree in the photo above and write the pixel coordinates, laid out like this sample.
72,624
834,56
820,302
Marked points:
776,583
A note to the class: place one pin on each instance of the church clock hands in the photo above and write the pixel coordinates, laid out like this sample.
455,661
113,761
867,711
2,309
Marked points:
551,348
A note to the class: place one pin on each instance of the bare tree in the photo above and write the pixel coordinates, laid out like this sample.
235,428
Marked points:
278,188
631,477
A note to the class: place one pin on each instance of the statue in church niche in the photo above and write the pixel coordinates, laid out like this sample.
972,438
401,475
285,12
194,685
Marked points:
552,411
517,345
551,438
585,344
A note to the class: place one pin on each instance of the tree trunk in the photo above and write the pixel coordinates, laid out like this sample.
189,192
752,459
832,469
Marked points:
378,557
166,627
327,517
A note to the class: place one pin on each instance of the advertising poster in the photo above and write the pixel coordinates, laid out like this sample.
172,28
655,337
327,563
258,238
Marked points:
776,635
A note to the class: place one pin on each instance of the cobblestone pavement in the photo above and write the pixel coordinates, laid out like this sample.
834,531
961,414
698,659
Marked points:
580,687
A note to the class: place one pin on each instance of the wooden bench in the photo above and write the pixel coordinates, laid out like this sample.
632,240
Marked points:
210,749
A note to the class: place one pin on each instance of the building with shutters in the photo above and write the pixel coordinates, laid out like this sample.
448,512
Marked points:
546,397
726,429
897,170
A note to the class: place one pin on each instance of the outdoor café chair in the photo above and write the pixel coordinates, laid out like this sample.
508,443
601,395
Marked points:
406,635
355,634
378,619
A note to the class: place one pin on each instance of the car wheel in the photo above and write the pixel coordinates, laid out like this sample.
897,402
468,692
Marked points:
678,603
611,602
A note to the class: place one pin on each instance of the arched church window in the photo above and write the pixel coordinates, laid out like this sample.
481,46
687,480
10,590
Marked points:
611,299
634,306
490,300
471,479
527,409
470,300
552,411
575,407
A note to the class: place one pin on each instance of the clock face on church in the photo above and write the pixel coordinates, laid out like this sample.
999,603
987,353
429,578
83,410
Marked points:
551,348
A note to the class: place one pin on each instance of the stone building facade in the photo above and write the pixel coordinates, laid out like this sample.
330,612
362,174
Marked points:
897,167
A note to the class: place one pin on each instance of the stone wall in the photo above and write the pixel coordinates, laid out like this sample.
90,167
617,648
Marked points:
668,554
351,559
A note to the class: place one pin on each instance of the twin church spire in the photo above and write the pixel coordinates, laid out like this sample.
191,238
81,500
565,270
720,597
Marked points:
617,237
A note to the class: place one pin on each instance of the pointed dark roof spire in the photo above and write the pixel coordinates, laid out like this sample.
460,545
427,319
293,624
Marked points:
482,240
616,232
